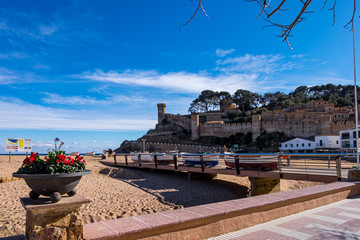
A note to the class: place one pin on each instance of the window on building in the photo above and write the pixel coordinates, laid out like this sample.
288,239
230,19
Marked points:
285,145
345,135
354,134
337,142
345,144
292,145
297,145
354,143
303,145
309,144
321,143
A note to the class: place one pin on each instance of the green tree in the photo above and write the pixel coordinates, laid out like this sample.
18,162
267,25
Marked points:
206,101
246,100
301,95
276,101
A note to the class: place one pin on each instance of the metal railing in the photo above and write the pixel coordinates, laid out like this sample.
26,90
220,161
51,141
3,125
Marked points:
327,164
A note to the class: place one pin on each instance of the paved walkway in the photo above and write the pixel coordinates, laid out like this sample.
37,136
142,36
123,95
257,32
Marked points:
340,220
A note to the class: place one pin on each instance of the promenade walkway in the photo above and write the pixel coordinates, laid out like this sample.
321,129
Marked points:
340,220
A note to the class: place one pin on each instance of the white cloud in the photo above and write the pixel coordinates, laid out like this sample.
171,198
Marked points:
263,64
47,144
223,53
47,30
7,76
177,82
40,66
251,72
17,55
22,115
53,98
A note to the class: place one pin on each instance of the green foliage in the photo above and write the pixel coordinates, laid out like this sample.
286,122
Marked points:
209,100
270,140
340,95
246,100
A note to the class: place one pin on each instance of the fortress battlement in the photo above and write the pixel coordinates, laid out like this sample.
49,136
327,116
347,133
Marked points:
313,118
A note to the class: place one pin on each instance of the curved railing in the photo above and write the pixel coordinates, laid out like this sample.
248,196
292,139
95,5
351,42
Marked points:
322,164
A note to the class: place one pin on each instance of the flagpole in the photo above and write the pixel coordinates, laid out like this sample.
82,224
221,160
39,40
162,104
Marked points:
356,106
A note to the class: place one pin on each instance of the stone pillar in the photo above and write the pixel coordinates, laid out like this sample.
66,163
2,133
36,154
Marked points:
255,126
260,186
161,111
354,175
47,220
195,133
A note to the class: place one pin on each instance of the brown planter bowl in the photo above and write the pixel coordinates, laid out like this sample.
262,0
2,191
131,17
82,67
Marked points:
45,184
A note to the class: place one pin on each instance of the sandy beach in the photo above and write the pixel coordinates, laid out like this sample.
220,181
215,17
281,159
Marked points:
120,192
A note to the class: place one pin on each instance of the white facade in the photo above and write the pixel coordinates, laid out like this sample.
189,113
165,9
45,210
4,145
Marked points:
327,142
297,144
348,139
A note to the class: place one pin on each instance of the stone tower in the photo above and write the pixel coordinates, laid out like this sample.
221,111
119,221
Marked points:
255,126
161,111
195,131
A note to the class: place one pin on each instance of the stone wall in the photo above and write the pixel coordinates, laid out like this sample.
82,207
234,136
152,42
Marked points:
298,123
184,122
224,130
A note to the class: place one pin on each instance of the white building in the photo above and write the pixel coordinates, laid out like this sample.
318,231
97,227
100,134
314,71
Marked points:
348,140
298,145
327,142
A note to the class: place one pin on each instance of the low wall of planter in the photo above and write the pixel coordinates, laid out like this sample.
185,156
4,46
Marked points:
214,219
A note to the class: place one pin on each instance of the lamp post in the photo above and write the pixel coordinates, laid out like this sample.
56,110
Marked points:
356,106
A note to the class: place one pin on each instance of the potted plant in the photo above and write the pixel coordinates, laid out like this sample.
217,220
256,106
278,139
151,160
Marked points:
54,175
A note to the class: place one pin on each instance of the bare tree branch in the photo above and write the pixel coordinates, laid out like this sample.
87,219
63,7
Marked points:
352,18
276,9
268,11
200,6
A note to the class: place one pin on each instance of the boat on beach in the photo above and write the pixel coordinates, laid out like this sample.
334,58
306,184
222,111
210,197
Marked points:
74,153
167,157
145,157
195,159
90,153
256,162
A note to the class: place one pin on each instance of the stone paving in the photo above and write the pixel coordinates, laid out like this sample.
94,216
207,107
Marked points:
340,220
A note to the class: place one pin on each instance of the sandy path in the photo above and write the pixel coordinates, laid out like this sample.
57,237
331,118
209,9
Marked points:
118,192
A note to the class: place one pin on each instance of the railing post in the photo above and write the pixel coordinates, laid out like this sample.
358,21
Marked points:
328,161
115,159
155,160
202,162
126,160
288,160
237,165
338,167
280,165
175,161
139,159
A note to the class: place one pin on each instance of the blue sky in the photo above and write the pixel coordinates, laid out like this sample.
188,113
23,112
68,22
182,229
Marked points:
92,72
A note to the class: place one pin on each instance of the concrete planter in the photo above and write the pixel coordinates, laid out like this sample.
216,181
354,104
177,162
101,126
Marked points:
53,185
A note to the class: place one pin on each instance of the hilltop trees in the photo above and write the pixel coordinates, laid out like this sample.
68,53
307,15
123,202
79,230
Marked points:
209,101
246,100
249,102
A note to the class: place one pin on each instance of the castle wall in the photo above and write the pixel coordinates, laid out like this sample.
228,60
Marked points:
340,126
303,129
319,119
184,122
224,130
